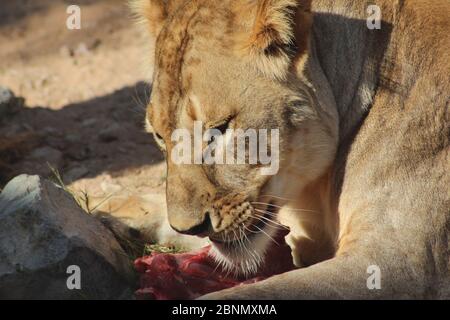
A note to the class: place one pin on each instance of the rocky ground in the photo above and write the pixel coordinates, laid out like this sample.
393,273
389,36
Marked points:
51,249
72,103
84,96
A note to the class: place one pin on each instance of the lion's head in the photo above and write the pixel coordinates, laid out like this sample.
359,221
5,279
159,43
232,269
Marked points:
230,64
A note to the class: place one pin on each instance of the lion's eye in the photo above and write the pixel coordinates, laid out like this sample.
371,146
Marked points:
224,125
160,141
222,128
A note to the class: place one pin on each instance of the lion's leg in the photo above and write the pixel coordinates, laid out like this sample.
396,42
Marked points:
344,277
312,224
309,238
333,279
307,250
366,266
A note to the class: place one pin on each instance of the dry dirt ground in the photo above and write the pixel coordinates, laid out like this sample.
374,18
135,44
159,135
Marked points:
84,108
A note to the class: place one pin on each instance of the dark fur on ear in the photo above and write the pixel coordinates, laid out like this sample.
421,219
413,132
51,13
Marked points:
279,33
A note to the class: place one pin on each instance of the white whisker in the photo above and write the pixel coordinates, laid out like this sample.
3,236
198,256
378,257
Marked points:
270,237
269,225
265,212
276,224
276,197
285,208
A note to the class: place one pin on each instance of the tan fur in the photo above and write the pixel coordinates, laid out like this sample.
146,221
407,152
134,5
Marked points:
364,124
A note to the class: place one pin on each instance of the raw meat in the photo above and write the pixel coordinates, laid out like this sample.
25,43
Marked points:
190,275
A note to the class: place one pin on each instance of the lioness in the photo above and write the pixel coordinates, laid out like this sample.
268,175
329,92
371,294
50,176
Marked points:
364,138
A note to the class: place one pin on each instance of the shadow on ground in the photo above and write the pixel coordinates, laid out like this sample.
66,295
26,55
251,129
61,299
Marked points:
105,134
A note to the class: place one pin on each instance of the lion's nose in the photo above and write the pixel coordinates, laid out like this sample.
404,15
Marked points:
200,230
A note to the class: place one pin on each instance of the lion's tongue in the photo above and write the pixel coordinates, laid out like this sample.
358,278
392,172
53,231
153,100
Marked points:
190,275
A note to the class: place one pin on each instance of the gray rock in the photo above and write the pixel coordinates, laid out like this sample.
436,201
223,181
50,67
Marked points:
6,95
41,160
75,174
73,138
42,233
47,154
9,103
89,123
111,133
78,152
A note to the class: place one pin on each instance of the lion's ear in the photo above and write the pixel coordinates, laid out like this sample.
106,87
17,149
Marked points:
154,13
279,33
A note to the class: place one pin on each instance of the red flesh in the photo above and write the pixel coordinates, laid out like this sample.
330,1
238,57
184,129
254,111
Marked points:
190,275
